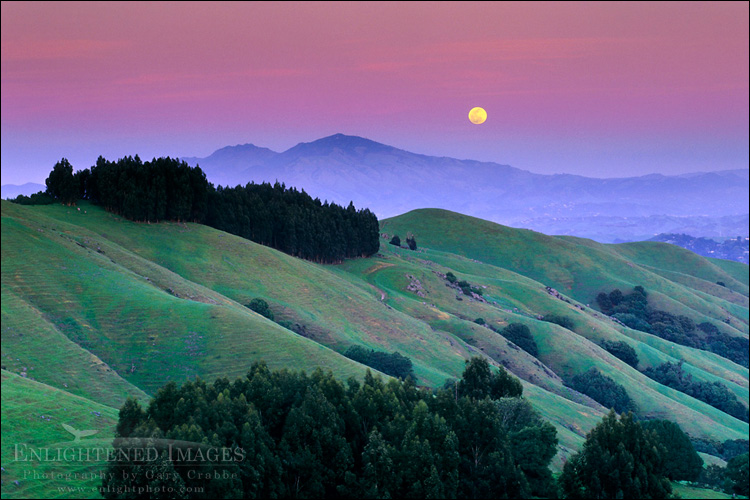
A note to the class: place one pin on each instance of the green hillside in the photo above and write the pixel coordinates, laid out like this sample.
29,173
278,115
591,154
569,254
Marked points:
103,308
33,418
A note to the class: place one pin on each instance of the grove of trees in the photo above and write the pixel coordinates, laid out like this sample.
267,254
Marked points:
166,189
288,434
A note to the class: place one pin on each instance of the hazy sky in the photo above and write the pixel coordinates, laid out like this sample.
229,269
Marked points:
597,89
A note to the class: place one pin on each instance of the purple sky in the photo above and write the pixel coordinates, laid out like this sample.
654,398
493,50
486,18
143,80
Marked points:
597,89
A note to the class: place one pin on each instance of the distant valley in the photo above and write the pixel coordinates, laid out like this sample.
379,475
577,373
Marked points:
730,249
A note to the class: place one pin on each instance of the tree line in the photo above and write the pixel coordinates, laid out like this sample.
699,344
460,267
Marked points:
634,311
167,189
715,394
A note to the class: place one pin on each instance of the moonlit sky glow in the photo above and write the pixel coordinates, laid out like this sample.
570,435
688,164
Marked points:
596,89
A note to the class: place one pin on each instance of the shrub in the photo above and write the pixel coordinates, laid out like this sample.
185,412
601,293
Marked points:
633,321
393,364
451,277
396,241
622,350
261,307
520,335
40,198
563,321
603,390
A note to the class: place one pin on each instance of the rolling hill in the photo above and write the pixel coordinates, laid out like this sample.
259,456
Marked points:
99,308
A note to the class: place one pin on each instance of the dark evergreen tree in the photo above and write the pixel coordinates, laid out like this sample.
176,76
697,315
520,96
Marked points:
395,241
411,242
478,381
61,184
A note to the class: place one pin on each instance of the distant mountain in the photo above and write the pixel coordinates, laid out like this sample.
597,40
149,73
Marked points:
12,190
391,181
737,249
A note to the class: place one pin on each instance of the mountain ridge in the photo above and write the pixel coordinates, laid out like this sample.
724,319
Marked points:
390,181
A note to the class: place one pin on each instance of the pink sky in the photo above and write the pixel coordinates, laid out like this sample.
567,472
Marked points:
597,89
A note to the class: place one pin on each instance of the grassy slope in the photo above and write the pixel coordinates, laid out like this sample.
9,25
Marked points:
32,418
126,311
122,295
581,271
32,346
492,254
686,491
565,352
336,312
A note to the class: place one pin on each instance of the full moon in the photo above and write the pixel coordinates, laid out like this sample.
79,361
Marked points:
477,115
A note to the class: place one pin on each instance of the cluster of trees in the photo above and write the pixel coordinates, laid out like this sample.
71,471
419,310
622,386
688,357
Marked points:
726,450
160,189
394,364
733,479
272,215
633,310
603,390
520,335
294,435
621,350
558,319
715,394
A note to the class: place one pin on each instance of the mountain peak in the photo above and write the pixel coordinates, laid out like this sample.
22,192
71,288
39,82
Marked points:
239,149
349,143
